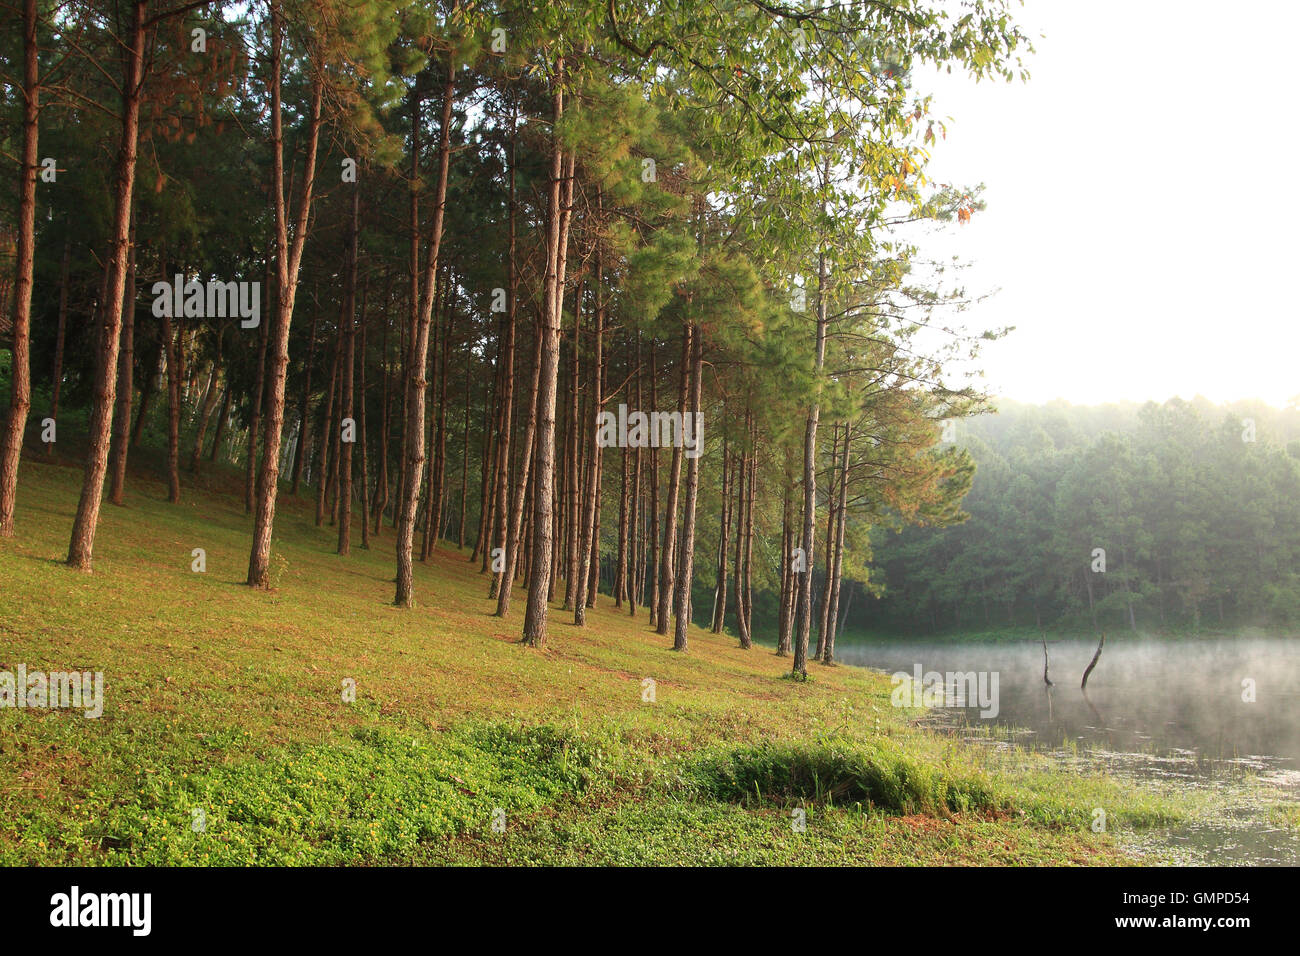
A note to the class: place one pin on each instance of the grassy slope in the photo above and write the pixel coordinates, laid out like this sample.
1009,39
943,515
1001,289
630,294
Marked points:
228,701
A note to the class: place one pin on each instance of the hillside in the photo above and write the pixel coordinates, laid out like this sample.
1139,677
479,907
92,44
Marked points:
225,739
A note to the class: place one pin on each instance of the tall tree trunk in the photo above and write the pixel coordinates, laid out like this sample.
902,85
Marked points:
303,448
635,503
81,547
222,416
61,336
594,566
410,329
172,343
381,483
20,395
786,613
361,422
506,403
804,622
490,463
435,332
652,606
575,458
413,442
349,375
487,473
742,478
288,261
724,531
588,548
464,461
325,450
211,396
620,554
336,438
837,550
548,330
514,532
259,388
832,522
687,564
745,593
440,449
125,387
668,551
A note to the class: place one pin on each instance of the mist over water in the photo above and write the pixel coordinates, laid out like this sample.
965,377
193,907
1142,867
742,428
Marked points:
1170,711
1144,696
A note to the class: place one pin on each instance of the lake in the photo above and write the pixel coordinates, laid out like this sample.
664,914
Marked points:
1179,710
1143,696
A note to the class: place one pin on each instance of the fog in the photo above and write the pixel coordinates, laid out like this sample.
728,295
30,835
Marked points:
1149,696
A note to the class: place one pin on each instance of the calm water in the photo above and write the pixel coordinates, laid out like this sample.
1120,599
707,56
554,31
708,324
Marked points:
1166,711
1150,696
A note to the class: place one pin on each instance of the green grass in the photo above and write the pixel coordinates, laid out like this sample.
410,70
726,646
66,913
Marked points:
228,702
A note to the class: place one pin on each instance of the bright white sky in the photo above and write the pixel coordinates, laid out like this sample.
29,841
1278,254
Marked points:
1141,221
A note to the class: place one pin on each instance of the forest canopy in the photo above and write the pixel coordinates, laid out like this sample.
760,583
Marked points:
1194,505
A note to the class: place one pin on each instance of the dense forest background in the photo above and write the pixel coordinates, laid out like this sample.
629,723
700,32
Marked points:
1195,505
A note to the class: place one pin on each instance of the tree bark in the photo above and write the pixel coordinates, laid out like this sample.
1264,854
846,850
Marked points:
349,376
514,531
209,404
61,336
172,343
81,547
573,490
837,572
125,387
325,453
381,482
506,404
724,532
413,441
745,588
742,479
804,621
222,416
591,500
634,505
440,450
786,613
557,239
288,261
652,606
668,551
832,521
20,395
436,332
303,448
361,423
687,564
259,388
464,461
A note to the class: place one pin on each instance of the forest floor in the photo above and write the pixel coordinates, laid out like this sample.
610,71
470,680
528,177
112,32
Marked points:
225,738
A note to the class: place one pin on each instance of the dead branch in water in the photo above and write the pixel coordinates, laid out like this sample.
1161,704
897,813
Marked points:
1095,657
1046,680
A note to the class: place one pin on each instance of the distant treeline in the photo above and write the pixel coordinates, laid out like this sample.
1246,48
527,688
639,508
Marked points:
1192,509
